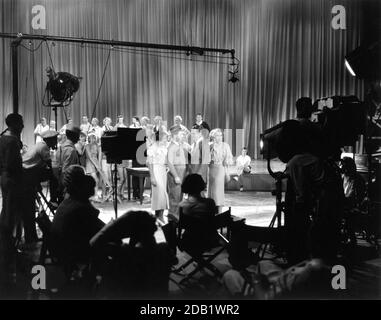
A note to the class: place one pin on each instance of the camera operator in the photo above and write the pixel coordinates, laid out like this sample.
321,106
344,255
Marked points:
37,167
354,191
314,197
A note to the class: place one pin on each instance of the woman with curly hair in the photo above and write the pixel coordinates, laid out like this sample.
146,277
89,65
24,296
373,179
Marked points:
221,158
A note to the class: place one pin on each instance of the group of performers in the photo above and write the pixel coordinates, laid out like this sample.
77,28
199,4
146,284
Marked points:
172,153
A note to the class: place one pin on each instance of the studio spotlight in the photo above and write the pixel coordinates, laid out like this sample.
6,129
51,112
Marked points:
365,62
61,87
233,71
233,77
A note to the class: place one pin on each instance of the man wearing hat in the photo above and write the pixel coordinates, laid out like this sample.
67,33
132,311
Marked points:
37,167
67,154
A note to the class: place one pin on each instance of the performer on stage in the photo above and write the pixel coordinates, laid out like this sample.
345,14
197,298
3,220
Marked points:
52,125
107,125
159,127
120,123
63,129
200,123
157,164
80,147
96,129
221,158
178,124
40,128
243,167
144,121
121,167
135,123
85,125
93,160
177,164
201,155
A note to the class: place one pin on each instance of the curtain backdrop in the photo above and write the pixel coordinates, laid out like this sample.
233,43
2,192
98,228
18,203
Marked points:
287,49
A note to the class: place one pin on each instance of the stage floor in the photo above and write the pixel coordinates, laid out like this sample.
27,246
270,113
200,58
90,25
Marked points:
256,207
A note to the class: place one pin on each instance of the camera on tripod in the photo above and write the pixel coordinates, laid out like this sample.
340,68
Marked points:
340,121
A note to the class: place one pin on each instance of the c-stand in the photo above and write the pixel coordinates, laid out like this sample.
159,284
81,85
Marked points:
114,173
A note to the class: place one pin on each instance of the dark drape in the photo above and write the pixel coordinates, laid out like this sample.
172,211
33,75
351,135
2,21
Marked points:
287,49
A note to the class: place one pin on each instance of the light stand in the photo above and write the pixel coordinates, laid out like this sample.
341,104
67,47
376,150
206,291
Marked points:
115,196
280,206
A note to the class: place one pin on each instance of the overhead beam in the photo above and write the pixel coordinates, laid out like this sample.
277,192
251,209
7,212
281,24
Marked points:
18,37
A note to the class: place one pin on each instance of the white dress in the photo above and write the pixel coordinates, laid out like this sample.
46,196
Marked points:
221,157
157,157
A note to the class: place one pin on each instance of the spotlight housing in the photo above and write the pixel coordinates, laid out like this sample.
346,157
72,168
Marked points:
365,61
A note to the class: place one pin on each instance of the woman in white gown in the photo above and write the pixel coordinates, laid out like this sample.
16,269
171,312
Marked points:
157,164
221,159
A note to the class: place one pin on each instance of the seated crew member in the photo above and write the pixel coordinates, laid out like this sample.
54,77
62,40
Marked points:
243,163
37,167
141,268
76,220
203,234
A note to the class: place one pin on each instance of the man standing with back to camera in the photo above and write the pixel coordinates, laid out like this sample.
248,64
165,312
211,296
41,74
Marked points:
11,186
67,155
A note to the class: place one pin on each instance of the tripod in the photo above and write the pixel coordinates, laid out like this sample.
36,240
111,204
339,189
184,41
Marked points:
114,183
280,206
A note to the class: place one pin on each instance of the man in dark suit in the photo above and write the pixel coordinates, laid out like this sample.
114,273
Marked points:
200,123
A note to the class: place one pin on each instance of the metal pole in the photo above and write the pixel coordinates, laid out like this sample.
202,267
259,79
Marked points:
15,74
187,49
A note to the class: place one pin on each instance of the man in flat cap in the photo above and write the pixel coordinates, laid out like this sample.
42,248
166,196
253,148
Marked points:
67,153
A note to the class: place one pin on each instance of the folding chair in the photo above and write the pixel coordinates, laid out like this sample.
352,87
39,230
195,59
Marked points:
206,255
44,221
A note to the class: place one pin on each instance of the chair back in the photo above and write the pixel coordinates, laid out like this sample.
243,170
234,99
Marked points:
223,220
